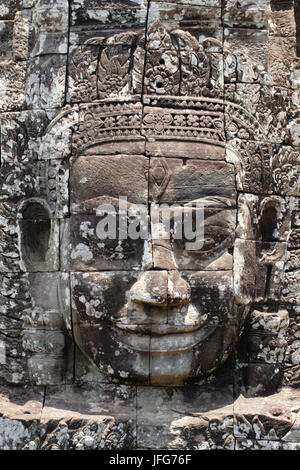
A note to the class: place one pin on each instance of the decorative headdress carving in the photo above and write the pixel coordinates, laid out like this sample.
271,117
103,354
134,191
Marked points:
171,89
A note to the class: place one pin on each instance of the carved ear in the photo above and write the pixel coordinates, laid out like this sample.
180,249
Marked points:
264,226
269,219
35,228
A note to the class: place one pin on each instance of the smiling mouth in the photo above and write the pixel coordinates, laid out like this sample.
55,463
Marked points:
161,339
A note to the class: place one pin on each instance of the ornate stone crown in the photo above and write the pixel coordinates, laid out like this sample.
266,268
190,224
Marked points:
173,91
139,97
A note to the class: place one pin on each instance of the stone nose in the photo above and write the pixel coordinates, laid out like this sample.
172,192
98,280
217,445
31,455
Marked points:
160,289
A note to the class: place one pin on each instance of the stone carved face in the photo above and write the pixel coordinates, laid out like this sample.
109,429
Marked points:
151,311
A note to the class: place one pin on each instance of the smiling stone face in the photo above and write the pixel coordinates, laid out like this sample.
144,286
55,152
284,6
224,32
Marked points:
152,310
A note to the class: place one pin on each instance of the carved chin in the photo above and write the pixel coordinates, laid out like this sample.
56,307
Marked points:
170,359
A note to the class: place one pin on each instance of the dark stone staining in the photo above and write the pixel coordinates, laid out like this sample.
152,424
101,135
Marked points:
268,224
111,289
35,228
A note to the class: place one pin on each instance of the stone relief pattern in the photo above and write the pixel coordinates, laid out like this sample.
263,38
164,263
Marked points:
182,74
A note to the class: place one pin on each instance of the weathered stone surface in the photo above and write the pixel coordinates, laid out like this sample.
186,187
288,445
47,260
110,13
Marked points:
186,180
20,133
109,303
291,373
84,248
52,15
45,83
261,444
282,59
100,421
282,20
66,421
112,15
9,9
20,413
265,418
150,325
82,83
104,129
252,162
95,178
267,336
184,418
266,219
6,38
251,16
12,76
21,37
208,252
252,49
202,20
178,102
258,271
290,289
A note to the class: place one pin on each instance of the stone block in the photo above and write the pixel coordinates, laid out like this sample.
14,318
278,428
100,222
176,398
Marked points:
252,163
249,16
82,78
210,246
282,59
51,308
251,48
282,20
107,15
56,141
265,418
14,300
20,133
21,408
101,298
286,171
45,82
262,444
263,218
175,180
21,35
187,3
9,9
293,260
290,287
94,178
12,77
52,16
202,21
109,128
6,40
89,418
50,43
258,270
202,309
184,418
120,354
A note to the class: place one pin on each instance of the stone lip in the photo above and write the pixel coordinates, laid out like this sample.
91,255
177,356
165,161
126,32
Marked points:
162,339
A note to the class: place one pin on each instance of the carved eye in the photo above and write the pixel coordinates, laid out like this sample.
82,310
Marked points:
268,223
35,231
215,239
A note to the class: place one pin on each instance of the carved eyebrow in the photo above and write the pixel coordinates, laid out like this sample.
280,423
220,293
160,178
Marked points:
217,202
91,205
